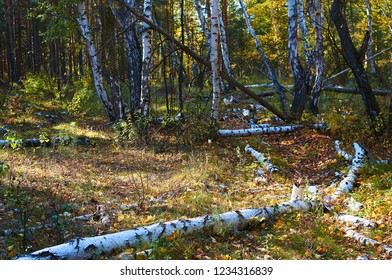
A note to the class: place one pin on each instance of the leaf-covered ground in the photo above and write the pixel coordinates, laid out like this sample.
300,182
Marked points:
180,173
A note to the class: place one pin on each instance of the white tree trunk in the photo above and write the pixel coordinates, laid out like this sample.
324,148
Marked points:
356,221
272,75
224,47
88,248
203,22
370,29
342,153
95,65
262,159
347,184
367,241
214,58
266,130
146,60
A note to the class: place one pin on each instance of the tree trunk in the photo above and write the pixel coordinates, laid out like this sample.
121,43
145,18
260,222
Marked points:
106,245
13,71
214,58
298,72
347,184
272,75
370,29
352,57
266,130
224,47
146,61
317,16
231,81
95,65
262,159
134,52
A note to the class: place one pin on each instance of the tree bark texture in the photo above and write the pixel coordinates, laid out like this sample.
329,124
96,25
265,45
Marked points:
95,65
353,60
146,60
266,130
342,153
214,58
297,70
347,184
262,159
134,52
109,244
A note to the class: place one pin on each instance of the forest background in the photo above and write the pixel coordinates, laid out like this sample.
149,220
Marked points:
126,123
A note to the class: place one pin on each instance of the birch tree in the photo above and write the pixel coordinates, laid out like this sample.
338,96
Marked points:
214,58
279,88
95,65
134,52
146,60
297,70
317,16
370,43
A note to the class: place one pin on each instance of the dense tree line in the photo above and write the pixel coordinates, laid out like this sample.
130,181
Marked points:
283,42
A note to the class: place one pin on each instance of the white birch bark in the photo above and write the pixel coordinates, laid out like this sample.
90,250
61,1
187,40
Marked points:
214,58
95,65
224,47
109,244
146,60
262,159
272,75
358,222
266,130
203,22
347,184
370,29
342,153
367,241
317,16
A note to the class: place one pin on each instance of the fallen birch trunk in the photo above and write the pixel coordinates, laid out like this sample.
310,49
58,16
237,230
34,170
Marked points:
267,130
367,241
262,159
342,153
347,184
358,222
46,142
91,247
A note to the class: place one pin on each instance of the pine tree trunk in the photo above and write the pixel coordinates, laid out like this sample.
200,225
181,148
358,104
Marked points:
95,65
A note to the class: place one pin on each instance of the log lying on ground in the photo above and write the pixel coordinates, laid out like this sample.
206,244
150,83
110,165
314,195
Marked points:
104,245
358,222
367,241
342,153
347,184
46,142
267,130
262,159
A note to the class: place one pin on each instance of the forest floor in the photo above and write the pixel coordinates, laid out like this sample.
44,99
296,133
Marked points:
181,174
